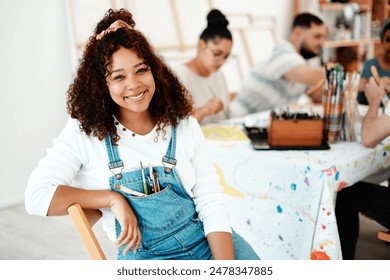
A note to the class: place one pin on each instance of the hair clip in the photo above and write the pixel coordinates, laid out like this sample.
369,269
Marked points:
113,27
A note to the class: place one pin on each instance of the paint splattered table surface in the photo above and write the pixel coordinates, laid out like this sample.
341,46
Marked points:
282,202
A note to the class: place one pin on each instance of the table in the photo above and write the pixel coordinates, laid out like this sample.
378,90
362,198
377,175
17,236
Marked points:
283,202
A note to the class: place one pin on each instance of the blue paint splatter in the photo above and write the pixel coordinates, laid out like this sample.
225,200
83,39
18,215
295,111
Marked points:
278,188
384,153
307,169
293,186
336,176
279,208
297,214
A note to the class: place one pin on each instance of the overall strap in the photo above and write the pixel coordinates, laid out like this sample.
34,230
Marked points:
115,164
169,160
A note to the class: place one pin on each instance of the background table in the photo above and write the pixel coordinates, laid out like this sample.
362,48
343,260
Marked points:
282,202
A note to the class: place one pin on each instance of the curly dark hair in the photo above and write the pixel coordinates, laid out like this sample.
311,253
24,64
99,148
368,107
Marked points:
88,97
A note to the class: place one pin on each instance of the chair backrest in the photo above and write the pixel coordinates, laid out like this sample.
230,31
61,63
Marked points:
384,235
86,233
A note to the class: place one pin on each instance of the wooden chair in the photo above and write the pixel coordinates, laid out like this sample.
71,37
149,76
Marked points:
86,233
384,235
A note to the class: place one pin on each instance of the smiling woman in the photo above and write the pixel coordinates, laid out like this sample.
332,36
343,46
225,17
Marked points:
173,208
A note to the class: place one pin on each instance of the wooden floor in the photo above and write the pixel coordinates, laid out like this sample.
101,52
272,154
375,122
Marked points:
24,237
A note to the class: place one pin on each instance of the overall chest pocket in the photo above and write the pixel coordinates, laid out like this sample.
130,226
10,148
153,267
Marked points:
163,211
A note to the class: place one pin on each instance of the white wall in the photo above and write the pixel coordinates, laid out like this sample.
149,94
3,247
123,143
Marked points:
38,60
34,75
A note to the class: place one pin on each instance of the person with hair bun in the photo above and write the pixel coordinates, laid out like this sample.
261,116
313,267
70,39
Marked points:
202,75
132,154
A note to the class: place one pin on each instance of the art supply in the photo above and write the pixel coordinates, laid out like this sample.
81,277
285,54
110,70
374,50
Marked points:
340,104
351,115
152,181
129,191
155,177
144,179
333,102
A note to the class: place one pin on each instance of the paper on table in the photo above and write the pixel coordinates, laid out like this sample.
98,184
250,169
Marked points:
225,133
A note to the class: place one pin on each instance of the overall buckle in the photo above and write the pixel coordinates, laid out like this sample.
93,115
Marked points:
168,163
116,168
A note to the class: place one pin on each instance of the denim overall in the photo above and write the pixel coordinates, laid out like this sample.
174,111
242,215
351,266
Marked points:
168,220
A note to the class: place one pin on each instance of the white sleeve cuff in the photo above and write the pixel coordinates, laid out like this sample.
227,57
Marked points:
217,223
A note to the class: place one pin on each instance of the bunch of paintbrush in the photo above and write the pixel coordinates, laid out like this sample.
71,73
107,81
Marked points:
332,100
351,84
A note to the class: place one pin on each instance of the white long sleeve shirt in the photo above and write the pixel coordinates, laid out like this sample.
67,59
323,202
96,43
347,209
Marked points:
81,161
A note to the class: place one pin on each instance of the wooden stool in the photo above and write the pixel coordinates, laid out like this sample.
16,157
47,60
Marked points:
384,235
87,235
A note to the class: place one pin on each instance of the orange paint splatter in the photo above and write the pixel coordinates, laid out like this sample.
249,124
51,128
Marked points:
326,243
328,213
341,185
319,255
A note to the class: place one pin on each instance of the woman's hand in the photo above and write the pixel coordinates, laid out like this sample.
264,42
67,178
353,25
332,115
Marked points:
213,106
386,83
131,234
374,92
